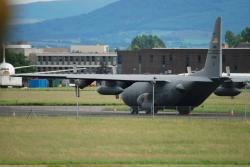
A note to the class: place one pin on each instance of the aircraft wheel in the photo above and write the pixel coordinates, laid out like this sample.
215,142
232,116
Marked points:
135,110
184,110
150,111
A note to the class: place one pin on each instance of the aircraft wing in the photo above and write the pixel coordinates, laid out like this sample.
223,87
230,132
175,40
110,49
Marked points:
238,77
21,67
106,77
237,80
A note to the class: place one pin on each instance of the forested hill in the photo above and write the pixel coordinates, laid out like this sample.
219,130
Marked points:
38,11
178,22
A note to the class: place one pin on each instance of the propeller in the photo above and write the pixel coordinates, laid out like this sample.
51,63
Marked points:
189,70
228,71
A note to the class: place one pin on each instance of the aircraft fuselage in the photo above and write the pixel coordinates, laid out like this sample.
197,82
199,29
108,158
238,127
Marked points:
178,93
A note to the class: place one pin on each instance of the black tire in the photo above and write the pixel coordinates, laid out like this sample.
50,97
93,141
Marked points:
148,112
184,110
135,111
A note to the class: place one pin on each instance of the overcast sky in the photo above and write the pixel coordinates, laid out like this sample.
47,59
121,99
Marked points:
27,1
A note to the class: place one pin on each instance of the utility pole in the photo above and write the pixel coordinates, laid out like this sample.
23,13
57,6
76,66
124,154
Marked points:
246,102
77,91
153,96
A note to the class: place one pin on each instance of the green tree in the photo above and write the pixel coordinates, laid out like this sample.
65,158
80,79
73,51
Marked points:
233,40
245,35
230,39
146,42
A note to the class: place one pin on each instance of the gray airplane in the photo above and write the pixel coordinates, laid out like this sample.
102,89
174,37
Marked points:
147,92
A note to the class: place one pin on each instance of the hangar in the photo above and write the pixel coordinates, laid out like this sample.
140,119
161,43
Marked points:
175,61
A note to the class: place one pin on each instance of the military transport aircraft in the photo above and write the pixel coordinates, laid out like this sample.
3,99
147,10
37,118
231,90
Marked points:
143,92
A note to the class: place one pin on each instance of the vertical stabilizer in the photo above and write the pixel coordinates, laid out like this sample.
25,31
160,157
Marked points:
213,65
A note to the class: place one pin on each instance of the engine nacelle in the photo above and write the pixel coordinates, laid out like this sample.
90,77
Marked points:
105,90
110,87
248,85
223,91
84,83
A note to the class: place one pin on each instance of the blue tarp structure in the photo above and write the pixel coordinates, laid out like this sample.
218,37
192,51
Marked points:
38,83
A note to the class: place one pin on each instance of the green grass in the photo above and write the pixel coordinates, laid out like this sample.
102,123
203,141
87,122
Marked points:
54,96
226,104
123,141
89,97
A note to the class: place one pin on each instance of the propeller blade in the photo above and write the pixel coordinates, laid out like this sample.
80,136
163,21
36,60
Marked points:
228,71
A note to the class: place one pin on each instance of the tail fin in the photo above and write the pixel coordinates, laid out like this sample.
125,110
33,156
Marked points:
213,65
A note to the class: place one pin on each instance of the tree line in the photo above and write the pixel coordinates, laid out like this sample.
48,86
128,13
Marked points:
234,39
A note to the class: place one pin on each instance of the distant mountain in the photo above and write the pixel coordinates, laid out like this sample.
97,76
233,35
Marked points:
40,11
185,23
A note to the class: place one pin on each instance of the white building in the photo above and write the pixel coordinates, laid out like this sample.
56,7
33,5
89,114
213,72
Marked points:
89,48
91,62
87,57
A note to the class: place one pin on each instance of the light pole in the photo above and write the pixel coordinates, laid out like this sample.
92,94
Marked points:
153,96
245,102
77,91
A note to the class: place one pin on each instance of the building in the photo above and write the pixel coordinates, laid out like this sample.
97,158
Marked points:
175,61
93,58
243,45
54,50
88,59
27,49
89,49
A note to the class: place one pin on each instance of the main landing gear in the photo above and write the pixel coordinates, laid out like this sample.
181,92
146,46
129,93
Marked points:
149,112
184,110
135,111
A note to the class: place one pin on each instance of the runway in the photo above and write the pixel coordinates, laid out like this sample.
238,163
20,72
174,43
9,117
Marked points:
55,111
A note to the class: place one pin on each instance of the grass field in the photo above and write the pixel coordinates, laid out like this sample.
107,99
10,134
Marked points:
54,96
129,141
66,96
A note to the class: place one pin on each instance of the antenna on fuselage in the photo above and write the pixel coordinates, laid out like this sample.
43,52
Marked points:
189,70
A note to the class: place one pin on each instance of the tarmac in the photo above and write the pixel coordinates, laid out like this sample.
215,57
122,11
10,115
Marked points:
81,111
